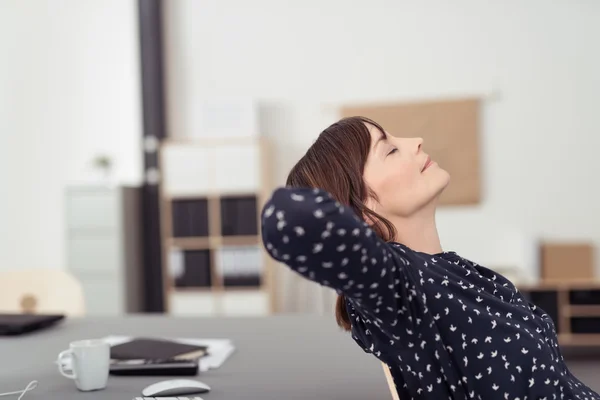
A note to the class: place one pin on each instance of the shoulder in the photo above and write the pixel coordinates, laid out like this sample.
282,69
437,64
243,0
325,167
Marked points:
403,249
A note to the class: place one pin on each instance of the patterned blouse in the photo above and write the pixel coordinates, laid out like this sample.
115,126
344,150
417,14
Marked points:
446,327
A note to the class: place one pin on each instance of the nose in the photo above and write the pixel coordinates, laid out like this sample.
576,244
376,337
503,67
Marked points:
419,142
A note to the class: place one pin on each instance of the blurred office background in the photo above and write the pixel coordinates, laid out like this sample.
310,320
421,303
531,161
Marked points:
138,140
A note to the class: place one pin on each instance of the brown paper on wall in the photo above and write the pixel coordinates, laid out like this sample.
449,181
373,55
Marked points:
450,130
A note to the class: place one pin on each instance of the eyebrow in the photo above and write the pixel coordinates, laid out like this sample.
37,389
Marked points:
380,139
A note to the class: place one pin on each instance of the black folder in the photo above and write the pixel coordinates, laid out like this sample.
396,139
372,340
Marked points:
155,349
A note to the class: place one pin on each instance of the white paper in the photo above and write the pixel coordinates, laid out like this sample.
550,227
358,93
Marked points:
219,350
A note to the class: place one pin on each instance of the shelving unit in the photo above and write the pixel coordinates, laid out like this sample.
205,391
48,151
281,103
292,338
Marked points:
212,192
574,307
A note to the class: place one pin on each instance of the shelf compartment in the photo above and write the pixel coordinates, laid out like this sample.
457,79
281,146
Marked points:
583,296
186,170
239,266
190,217
190,268
193,303
547,300
245,303
228,176
585,325
239,216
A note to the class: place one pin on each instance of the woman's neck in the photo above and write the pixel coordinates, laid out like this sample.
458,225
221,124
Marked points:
419,232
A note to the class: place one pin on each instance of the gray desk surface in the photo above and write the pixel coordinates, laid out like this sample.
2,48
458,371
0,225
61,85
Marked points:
284,357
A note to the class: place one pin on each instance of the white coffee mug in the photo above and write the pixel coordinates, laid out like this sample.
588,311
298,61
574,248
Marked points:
90,362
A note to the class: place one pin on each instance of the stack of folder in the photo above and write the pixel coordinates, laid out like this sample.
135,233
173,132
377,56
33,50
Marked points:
211,353
156,349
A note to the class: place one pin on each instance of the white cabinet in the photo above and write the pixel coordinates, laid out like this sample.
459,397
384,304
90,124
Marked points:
104,247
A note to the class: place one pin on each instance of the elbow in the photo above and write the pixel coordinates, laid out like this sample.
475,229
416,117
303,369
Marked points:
273,224
279,217
279,211
269,235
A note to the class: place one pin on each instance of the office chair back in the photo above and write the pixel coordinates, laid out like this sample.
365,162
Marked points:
41,291
390,381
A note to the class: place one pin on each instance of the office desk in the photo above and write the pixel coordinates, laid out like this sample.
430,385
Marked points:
276,358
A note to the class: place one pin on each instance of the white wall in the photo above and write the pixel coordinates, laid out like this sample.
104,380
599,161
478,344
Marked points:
69,89
540,139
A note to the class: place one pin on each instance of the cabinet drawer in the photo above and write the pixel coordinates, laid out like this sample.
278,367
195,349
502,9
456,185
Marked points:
93,254
94,209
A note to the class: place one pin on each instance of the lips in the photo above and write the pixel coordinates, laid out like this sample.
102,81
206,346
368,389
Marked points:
428,162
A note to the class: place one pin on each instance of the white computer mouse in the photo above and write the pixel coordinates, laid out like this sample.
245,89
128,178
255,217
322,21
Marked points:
175,387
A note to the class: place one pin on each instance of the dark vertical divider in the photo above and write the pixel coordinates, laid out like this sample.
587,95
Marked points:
154,130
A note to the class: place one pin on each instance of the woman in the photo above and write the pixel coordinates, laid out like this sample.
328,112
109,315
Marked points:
358,215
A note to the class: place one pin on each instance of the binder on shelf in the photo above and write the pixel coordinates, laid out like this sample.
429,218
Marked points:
239,216
175,264
240,266
190,268
190,218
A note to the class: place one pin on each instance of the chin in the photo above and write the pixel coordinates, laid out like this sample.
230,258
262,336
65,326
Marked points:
445,177
442,180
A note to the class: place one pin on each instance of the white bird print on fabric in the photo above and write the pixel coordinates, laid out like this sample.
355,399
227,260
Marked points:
454,318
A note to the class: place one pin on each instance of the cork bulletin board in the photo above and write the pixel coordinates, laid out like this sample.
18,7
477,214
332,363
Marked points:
450,130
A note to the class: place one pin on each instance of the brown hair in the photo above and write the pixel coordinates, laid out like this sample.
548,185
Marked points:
335,163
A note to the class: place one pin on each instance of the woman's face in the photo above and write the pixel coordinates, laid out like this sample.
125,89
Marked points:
402,176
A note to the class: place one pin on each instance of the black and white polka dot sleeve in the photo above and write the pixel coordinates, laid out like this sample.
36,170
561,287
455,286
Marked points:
327,243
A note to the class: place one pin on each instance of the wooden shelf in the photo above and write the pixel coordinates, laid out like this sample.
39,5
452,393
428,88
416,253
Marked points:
581,339
191,243
242,289
211,231
213,242
209,195
220,289
574,307
194,289
582,310
250,240
188,196
213,141
593,285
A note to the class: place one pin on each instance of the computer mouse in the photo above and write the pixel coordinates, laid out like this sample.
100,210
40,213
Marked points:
175,387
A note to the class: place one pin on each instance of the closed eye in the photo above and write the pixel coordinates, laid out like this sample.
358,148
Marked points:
392,151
